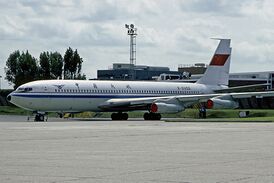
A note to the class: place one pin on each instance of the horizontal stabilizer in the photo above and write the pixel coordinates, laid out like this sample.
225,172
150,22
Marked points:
242,88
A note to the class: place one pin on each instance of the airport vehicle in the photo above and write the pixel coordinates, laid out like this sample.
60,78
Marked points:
119,97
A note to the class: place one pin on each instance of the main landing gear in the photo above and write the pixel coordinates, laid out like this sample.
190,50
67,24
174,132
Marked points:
152,116
119,116
147,116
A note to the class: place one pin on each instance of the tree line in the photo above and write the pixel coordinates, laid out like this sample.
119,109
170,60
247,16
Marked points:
22,67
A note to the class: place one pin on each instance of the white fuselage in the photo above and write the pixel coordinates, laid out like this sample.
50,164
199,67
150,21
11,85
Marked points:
83,95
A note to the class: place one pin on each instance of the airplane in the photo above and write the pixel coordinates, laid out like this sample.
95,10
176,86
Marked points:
120,97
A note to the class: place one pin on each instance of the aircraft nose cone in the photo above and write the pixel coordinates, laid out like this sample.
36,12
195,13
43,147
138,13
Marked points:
9,98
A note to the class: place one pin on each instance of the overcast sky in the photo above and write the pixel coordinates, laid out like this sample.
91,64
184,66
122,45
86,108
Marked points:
170,32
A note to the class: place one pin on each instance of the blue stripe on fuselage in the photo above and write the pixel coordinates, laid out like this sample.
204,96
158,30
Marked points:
79,96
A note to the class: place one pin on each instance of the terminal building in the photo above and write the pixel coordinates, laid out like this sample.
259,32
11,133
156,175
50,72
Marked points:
249,78
121,71
198,68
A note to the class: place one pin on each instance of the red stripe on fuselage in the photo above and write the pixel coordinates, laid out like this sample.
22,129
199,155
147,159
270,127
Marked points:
219,59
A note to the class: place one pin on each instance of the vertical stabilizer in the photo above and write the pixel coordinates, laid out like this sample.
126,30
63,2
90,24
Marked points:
217,73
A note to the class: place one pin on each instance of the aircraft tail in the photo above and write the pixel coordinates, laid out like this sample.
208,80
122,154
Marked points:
217,73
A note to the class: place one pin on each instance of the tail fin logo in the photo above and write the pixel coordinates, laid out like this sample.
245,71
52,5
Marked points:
219,59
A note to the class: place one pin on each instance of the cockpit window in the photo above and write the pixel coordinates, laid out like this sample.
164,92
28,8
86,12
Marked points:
21,89
27,89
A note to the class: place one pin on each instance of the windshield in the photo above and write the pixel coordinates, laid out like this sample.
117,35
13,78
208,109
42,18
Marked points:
24,89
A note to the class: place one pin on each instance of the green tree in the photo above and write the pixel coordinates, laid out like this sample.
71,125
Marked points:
45,65
21,68
68,61
73,65
77,60
12,66
56,63
50,65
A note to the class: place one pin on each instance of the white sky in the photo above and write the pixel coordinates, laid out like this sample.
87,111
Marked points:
170,32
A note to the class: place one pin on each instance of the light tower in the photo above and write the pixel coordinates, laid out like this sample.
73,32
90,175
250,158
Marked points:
132,32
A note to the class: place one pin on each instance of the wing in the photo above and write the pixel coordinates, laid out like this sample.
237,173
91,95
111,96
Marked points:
184,101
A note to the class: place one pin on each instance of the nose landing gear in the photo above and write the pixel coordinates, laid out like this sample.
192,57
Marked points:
39,117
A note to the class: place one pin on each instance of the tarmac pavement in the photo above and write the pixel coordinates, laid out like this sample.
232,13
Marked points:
134,151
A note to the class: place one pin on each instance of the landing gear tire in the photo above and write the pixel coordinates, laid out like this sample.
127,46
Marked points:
124,116
146,116
158,116
114,116
152,116
39,117
119,116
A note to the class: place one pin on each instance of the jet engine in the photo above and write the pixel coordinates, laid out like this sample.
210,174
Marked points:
165,108
217,103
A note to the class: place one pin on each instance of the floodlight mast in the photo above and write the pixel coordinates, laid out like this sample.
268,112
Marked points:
0,82
132,32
